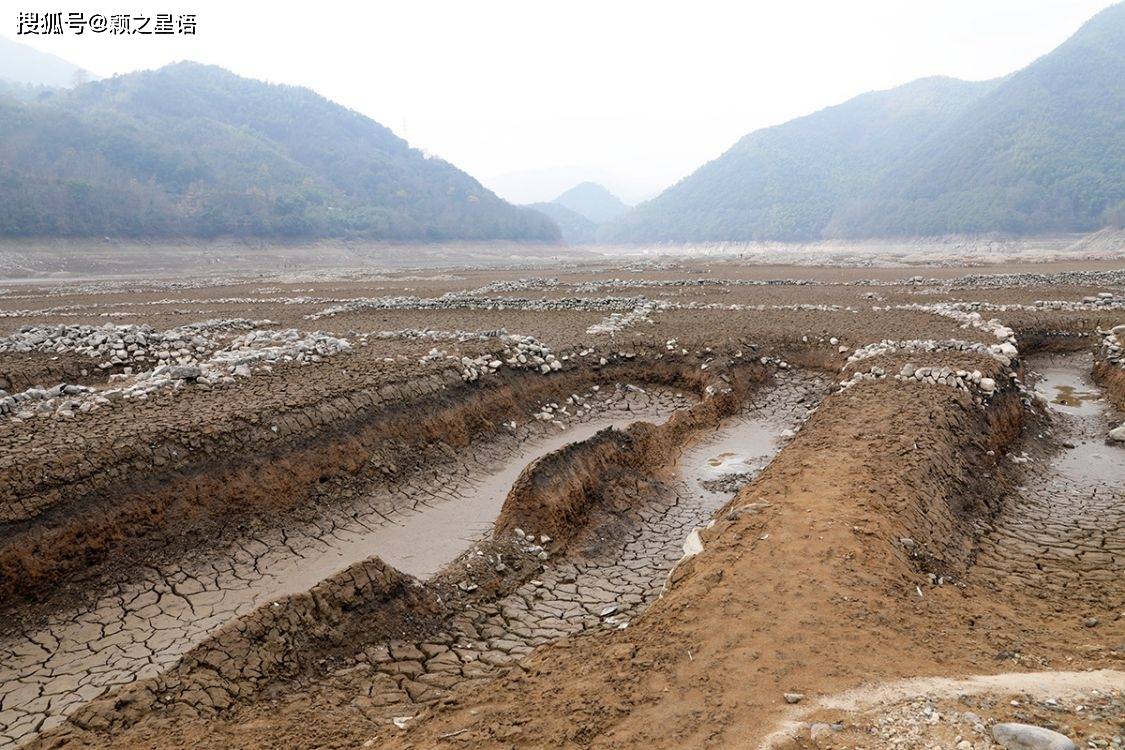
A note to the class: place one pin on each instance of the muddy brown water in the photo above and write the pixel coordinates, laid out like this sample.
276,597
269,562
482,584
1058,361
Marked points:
423,544
743,445
1073,395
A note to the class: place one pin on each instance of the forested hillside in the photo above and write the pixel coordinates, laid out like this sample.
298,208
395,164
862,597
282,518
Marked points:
1040,150
193,150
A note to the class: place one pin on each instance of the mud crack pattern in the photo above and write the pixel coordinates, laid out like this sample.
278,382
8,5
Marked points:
136,629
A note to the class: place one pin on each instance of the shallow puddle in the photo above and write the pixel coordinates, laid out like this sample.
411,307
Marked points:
721,462
423,543
1070,391
741,445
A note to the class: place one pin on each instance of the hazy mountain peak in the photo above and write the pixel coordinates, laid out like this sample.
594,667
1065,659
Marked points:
22,64
593,201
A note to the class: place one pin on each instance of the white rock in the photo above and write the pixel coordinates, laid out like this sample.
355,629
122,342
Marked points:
693,544
1028,737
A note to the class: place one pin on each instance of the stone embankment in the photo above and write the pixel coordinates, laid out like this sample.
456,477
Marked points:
1109,371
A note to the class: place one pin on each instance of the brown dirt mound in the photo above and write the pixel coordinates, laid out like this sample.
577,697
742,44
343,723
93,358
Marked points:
1112,379
368,602
554,494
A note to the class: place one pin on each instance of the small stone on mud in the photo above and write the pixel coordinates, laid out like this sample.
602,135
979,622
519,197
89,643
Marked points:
793,697
693,544
819,730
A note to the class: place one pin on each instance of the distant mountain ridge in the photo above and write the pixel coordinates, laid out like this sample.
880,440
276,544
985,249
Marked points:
593,201
1040,150
576,229
24,65
194,150
581,210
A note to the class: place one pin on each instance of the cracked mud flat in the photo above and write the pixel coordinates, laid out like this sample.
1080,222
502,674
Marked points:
135,630
602,584
804,583
606,578
1062,536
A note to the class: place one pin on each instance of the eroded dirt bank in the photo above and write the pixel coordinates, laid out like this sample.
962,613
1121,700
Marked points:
139,625
617,565
809,583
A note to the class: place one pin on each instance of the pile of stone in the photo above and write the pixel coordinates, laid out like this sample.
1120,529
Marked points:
739,307
1112,348
975,383
626,305
930,346
469,301
597,286
982,388
516,285
44,400
967,314
1114,278
128,345
617,322
430,334
519,353
290,345
256,348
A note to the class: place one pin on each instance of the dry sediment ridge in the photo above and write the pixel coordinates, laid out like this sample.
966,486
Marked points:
555,495
143,625
808,548
1109,367
244,656
176,492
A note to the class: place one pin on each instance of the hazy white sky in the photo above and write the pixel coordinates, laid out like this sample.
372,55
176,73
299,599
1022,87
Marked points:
637,93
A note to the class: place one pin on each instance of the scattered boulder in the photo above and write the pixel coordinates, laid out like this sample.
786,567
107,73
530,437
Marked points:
1028,737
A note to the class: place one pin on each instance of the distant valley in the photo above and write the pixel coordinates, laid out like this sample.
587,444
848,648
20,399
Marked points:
582,210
